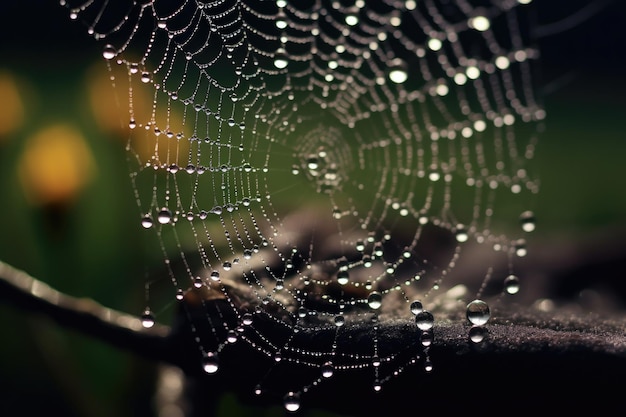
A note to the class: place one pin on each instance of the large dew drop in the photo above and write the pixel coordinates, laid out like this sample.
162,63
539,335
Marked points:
146,222
424,320
164,216
527,220
375,300
511,284
210,363
109,52
478,312
416,307
147,319
292,402
327,370
477,334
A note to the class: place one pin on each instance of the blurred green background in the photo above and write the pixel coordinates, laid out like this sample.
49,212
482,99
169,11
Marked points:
75,225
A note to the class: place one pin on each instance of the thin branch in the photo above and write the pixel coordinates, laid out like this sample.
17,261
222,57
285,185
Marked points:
83,315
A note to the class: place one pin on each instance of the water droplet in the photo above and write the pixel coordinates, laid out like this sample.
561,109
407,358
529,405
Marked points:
375,361
147,319
231,336
424,320
146,221
520,248
398,71
327,370
215,275
426,338
527,219
197,282
511,284
179,294
145,77
109,52
210,363
280,62
343,277
461,234
375,300
227,265
352,20
434,44
478,312
340,320
247,319
164,216
377,386
416,307
292,402
480,23
477,334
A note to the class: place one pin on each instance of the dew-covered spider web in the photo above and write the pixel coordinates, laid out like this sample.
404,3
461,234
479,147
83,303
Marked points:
326,164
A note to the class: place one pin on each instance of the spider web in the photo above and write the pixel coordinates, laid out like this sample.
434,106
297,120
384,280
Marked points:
328,163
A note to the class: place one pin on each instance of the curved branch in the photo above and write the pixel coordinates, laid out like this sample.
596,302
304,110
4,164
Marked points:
83,315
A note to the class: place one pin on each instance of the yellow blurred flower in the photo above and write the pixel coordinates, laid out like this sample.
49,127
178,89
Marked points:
56,165
11,106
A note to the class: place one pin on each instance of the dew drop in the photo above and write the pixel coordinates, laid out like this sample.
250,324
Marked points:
478,312
147,319
352,20
179,294
231,336
247,319
145,77
511,284
280,62
327,370
227,266
197,282
461,234
210,363
340,320
215,275
109,52
343,277
416,307
292,402
426,338
480,23
477,334
164,216
527,220
398,71
424,320
520,248
146,221
375,300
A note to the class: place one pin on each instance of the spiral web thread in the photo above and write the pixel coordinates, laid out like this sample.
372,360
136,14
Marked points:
321,164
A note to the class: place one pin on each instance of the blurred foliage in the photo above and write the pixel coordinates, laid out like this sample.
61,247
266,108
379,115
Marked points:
84,238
